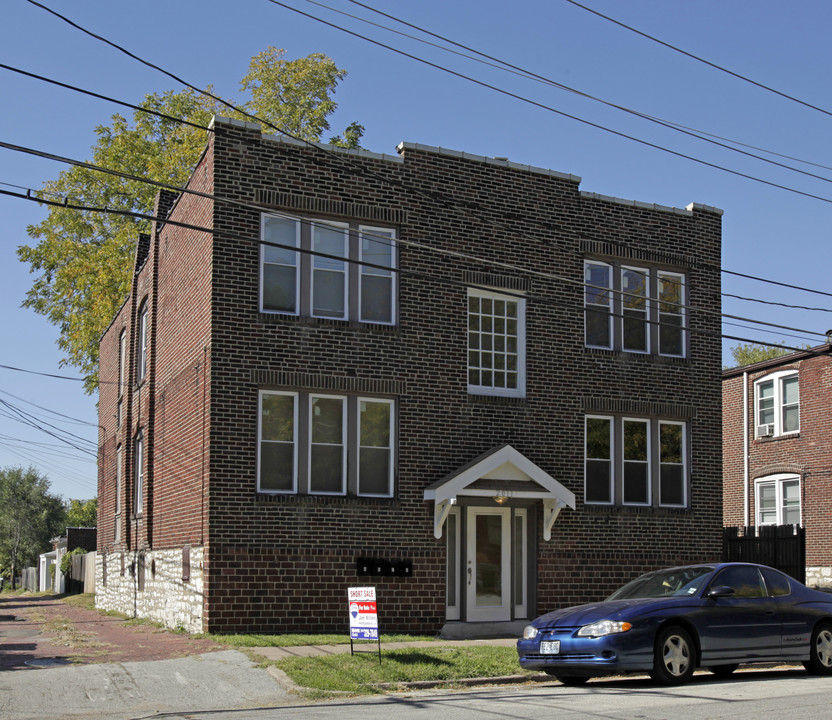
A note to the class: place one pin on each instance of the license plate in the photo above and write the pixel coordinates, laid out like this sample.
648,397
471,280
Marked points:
549,647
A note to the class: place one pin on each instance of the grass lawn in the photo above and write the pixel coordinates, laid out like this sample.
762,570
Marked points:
362,673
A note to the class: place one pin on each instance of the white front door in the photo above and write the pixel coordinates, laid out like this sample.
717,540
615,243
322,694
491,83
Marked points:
488,564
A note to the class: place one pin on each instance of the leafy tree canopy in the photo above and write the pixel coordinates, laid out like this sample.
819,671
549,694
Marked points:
750,353
82,513
82,260
30,516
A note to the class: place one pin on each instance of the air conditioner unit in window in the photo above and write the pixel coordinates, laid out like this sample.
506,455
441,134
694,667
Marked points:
765,430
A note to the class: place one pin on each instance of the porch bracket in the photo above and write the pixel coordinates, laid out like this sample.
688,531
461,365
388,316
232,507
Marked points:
440,513
551,510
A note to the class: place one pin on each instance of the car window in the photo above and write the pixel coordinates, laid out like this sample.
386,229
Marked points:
777,583
744,579
664,583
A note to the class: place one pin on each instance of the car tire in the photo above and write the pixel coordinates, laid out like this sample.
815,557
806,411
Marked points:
820,651
674,657
723,671
572,680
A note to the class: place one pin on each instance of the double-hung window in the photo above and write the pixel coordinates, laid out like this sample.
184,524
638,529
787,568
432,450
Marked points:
778,500
634,309
635,461
140,465
496,344
777,403
321,444
142,346
328,269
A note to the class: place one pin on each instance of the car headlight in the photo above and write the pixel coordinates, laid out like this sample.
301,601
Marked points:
604,627
529,632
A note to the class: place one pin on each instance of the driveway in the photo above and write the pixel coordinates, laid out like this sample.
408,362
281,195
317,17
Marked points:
57,660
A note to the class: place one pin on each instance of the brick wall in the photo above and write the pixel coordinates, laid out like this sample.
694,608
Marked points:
282,563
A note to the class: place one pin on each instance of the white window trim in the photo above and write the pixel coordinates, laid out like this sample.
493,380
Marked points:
343,399
295,402
345,235
778,481
684,463
647,307
776,378
263,263
610,304
680,278
142,359
140,465
648,463
490,390
611,459
375,234
391,463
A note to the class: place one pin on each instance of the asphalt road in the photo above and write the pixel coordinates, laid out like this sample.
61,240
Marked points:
749,695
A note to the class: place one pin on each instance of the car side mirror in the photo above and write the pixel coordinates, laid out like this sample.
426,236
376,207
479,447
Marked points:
720,591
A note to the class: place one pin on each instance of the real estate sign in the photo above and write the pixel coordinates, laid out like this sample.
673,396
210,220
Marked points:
363,613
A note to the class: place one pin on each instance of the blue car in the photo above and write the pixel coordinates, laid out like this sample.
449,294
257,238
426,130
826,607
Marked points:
669,622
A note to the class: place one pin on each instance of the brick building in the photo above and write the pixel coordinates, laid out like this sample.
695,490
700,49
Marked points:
455,378
777,449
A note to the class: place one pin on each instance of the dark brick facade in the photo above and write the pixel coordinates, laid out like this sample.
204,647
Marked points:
282,563
806,455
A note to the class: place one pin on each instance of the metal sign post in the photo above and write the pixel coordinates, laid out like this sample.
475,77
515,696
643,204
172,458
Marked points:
363,617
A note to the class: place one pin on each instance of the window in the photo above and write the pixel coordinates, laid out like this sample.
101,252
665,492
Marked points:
122,357
142,349
319,444
327,269
634,309
777,402
635,461
117,500
496,344
778,500
139,459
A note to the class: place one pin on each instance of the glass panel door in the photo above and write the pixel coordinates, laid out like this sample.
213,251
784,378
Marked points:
488,564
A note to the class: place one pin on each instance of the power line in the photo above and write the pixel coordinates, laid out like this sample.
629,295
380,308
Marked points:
701,60
499,64
548,108
407,273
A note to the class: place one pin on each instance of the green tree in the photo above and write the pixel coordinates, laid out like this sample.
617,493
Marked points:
82,513
82,261
29,517
750,353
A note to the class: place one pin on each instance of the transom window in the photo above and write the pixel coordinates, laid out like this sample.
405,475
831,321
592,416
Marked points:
777,403
635,461
346,273
496,344
634,309
778,500
321,444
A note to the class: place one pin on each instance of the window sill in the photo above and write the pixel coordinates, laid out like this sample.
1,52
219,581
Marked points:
775,438
269,318
352,500
643,357
636,509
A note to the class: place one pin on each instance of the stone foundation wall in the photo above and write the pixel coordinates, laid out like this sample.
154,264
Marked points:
166,597
820,577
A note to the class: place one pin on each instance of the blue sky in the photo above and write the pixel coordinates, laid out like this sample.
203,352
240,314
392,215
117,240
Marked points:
767,231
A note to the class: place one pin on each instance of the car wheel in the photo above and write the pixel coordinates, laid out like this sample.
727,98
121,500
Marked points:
820,652
674,658
572,680
723,671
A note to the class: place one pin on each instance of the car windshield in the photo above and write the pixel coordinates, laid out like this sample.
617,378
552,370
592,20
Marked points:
674,582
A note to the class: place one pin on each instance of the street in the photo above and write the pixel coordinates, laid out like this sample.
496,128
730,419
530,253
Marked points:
781,693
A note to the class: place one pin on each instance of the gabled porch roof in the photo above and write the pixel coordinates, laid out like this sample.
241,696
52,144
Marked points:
502,472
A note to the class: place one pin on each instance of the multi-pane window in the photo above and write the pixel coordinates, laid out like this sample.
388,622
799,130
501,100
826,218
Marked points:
496,344
122,362
318,444
777,401
635,461
117,500
634,309
778,500
142,348
327,269
139,463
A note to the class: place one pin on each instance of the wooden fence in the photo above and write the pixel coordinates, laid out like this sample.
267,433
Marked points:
779,546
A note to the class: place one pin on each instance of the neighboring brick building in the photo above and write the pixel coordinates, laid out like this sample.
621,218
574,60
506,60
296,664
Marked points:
777,449
276,423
